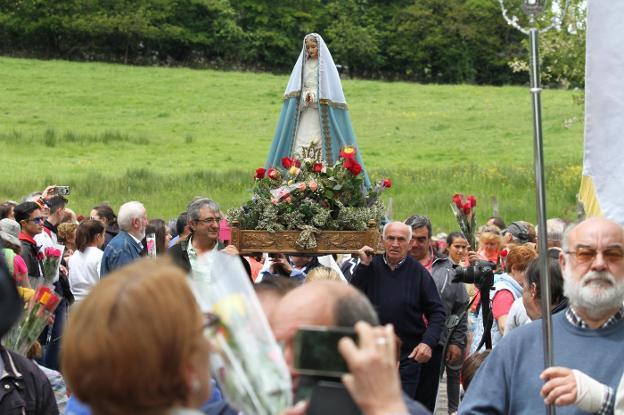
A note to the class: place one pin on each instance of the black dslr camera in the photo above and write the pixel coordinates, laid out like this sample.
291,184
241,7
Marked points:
481,274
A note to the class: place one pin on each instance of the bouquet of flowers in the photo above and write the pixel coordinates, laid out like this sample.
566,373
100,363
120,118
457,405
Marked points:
245,358
40,309
465,214
50,258
310,195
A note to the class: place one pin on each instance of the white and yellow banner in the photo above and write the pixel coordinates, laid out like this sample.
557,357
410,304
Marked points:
602,187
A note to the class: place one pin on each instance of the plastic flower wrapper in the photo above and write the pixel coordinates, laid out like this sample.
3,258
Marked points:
245,358
50,257
465,214
40,309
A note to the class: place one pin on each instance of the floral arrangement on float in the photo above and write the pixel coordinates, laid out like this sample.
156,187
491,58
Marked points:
308,196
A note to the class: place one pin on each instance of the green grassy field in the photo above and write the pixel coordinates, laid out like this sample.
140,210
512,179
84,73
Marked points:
163,135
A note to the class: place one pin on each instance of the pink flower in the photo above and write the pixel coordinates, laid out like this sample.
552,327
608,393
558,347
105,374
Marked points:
312,185
273,174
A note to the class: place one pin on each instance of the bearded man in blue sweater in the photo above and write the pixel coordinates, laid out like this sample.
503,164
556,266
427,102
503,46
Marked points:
403,294
587,337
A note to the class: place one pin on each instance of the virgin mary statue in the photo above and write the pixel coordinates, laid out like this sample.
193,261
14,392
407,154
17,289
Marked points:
314,121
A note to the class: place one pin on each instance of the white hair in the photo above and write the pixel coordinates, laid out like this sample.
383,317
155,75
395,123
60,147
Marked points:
597,292
404,226
127,212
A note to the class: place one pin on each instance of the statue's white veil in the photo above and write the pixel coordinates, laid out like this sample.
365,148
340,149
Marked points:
330,87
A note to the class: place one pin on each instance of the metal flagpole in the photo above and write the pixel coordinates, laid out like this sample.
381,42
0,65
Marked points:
540,188
533,8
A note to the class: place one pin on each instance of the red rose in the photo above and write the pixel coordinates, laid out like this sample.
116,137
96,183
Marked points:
52,301
296,163
287,162
472,200
317,168
41,292
504,253
260,173
348,152
273,174
457,199
386,183
467,208
40,256
353,166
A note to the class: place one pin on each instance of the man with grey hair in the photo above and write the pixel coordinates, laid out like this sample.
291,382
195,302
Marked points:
555,227
405,295
204,216
333,303
126,246
584,336
455,299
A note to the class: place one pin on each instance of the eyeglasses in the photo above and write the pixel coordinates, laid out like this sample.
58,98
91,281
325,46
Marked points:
38,220
584,255
210,220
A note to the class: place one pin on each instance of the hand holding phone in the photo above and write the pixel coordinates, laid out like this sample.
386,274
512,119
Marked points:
316,350
62,190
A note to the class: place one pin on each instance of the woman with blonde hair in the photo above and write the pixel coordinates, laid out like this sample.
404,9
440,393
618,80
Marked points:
507,288
490,242
323,274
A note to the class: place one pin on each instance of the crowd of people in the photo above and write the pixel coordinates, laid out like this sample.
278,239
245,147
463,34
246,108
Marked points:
128,337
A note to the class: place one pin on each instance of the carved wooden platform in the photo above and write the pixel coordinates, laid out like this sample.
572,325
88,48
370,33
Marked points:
328,242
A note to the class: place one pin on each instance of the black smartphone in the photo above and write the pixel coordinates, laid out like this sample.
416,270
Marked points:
62,190
331,398
316,350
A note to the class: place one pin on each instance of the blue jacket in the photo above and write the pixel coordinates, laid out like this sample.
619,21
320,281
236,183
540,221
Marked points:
121,250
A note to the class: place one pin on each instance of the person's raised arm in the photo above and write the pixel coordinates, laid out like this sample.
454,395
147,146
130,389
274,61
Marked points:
363,271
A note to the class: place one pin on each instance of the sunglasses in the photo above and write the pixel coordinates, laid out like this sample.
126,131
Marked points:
585,255
38,220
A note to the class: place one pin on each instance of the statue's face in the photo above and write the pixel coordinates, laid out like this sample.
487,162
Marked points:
312,48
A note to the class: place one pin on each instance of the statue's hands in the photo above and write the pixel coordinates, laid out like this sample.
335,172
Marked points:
310,97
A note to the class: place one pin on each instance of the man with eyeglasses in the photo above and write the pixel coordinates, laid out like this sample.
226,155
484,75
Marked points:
455,299
587,337
204,216
30,218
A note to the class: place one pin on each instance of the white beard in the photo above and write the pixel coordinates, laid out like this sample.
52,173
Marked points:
597,293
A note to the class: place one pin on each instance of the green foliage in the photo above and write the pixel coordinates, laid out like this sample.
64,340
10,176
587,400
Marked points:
441,41
121,135
562,51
